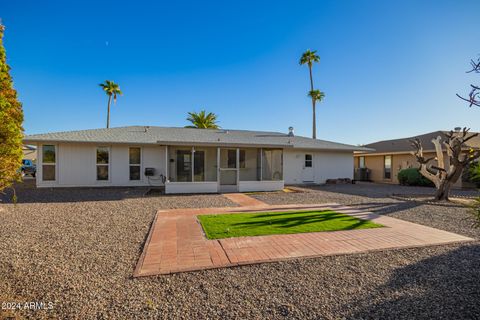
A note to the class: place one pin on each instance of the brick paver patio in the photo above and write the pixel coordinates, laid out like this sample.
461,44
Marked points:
176,242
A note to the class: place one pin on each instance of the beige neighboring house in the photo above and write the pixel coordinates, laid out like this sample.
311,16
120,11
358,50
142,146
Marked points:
391,156
29,152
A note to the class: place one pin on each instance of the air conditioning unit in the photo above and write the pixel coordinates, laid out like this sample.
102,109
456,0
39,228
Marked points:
149,172
362,174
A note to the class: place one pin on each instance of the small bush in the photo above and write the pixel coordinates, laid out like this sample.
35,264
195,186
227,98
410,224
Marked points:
474,174
413,177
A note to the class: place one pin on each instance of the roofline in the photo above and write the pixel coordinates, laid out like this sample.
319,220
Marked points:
186,143
162,143
383,153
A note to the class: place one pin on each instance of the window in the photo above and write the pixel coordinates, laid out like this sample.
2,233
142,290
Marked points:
232,159
308,161
242,159
103,160
48,162
361,162
387,172
134,155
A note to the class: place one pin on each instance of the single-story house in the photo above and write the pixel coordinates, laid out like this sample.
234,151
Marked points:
185,160
388,157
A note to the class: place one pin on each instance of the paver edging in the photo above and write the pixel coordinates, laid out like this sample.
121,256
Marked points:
136,272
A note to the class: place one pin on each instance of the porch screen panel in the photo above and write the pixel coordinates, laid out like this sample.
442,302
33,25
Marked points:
228,158
184,165
210,165
228,177
249,165
272,165
199,166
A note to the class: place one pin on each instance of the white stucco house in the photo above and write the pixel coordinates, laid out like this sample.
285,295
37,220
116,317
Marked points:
185,160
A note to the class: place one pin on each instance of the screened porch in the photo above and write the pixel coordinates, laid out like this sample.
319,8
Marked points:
193,169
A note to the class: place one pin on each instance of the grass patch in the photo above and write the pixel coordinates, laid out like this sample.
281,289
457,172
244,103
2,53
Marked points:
220,226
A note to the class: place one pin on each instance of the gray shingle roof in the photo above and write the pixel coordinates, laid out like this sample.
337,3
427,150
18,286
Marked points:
175,136
404,145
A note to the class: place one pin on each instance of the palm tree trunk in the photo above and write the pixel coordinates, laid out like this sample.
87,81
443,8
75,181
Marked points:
314,126
314,136
108,111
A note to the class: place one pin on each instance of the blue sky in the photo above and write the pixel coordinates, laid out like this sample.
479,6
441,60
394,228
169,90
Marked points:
389,68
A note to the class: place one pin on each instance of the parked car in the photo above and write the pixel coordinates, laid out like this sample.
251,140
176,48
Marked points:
28,168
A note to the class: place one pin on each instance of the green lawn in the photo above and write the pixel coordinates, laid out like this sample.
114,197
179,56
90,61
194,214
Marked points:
220,226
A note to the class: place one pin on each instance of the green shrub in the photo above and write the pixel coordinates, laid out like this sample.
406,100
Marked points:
413,177
474,174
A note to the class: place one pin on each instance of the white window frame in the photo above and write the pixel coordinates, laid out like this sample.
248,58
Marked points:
360,160
135,165
50,164
108,165
385,167
305,160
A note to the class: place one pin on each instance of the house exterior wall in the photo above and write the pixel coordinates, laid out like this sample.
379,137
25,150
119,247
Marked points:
191,187
76,165
400,161
257,186
326,165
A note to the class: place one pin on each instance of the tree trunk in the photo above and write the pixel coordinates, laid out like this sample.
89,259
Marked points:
314,136
314,126
443,191
108,111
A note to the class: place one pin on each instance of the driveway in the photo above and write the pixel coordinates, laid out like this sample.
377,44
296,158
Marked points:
77,248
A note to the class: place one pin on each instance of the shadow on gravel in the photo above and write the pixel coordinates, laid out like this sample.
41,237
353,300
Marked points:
446,286
27,192
385,208
378,190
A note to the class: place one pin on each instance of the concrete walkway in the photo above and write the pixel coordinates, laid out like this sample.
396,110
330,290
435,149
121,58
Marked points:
176,242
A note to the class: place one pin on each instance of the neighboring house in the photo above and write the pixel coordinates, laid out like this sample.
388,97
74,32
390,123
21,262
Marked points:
187,160
391,156
29,152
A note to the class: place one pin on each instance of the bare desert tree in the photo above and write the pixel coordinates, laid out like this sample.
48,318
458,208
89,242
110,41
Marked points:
474,95
445,172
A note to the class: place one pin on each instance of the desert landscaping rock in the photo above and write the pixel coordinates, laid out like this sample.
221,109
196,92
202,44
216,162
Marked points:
79,248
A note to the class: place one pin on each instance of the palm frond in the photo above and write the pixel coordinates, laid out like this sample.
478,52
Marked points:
202,120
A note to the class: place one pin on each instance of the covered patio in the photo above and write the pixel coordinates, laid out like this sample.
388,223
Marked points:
207,169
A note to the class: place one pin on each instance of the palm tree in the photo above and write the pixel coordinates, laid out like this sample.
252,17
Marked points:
308,58
316,95
202,120
111,89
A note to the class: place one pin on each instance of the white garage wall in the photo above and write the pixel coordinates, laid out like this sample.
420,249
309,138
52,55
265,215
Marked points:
76,165
326,165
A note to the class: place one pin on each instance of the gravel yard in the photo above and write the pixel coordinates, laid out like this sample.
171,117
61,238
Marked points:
77,248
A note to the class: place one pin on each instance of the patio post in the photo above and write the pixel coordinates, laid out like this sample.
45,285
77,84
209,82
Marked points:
238,166
218,168
261,164
166,164
193,164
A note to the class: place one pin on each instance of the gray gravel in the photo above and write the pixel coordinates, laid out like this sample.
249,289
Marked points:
81,254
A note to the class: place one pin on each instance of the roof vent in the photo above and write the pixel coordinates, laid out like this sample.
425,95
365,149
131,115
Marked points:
145,128
291,132
457,129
